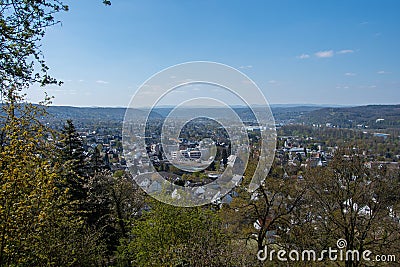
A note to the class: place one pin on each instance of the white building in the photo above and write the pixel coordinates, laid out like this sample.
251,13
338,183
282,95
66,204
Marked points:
194,154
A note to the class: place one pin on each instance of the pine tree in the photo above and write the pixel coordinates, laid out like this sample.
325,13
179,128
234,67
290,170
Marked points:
224,156
96,161
72,158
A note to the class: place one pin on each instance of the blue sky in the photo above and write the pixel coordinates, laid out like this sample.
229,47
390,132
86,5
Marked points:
320,52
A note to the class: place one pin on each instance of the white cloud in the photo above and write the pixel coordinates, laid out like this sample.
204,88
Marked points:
102,82
184,81
350,74
303,56
246,67
383,72
324,54
345,51
81,80
272,82
371,86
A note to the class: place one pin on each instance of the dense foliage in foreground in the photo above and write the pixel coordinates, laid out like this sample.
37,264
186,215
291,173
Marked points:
62,207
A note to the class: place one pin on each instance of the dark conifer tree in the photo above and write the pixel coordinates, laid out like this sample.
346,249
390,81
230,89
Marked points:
224,156
72,159
98,163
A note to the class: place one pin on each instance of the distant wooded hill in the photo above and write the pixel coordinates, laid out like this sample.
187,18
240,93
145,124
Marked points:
83,114
371,116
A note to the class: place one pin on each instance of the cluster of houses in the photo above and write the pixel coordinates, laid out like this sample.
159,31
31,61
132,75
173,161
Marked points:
109,145
295,152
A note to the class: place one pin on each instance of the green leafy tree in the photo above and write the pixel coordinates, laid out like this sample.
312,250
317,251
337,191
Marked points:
349,200
22,26
175,236
38,225
112,202
262,217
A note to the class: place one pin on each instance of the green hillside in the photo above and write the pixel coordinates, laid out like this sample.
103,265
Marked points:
371,116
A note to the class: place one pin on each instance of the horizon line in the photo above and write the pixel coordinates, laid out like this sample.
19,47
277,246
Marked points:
234,106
